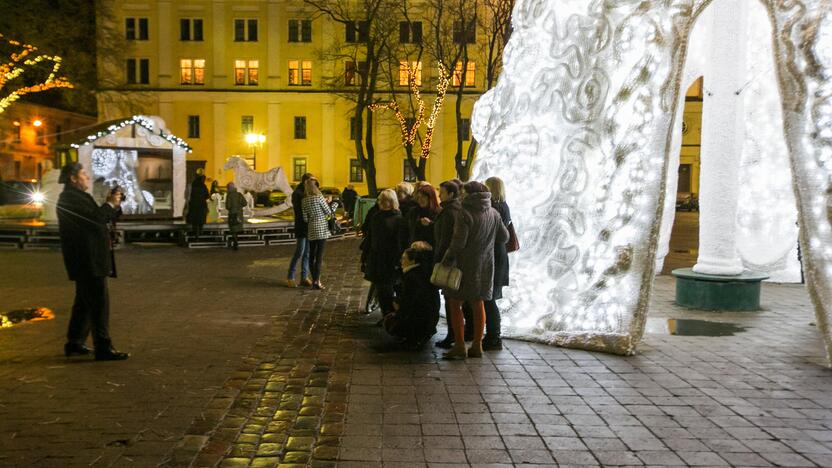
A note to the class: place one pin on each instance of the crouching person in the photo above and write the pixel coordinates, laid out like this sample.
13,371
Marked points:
417,310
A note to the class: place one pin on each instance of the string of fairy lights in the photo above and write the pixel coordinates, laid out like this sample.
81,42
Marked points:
138,120
410,132
22,61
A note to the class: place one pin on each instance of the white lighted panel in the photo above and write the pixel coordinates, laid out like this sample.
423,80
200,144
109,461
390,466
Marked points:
580,126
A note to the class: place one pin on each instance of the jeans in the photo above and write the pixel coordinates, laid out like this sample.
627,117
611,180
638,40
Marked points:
492,321
301,253
91,310
316,258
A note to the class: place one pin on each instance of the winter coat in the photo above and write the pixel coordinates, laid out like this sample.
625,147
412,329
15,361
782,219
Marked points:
316,211
85,236
234,203
501,271
386,240
297,207
406,204
472,247
349,197
417,231
418,311
198,202
443,227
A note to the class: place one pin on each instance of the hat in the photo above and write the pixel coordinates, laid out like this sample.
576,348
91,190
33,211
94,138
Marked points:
68,171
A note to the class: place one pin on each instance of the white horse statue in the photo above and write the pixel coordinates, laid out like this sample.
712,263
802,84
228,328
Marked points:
247,179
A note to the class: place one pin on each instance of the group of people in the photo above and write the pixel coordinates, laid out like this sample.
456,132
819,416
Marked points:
204,204
411,229
314,223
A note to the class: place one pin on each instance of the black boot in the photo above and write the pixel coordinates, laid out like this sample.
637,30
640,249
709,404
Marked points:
106,352
75,349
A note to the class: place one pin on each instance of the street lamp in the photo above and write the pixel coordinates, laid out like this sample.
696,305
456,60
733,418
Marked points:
255,140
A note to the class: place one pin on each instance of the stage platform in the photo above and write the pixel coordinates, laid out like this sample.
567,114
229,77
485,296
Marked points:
34,234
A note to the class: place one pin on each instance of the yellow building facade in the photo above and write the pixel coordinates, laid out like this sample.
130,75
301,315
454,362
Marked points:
218,70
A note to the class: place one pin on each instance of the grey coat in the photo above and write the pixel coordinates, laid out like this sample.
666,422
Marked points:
443,228
476,230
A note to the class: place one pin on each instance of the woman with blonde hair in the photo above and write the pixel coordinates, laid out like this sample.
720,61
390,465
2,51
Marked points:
316,211
386,239
493,339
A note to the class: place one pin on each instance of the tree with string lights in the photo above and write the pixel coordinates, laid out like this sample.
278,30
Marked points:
26,71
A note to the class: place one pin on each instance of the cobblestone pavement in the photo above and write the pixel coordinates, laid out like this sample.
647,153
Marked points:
232,370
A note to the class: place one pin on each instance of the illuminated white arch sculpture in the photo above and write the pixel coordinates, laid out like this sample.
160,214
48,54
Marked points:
580,127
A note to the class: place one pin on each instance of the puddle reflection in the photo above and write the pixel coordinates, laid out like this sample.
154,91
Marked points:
692,327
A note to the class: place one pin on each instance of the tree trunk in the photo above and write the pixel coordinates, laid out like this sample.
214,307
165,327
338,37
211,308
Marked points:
370,169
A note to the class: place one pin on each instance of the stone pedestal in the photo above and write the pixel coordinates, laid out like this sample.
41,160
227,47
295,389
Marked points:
712,292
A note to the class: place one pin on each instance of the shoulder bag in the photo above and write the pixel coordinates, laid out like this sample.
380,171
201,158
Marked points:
513,243
446,276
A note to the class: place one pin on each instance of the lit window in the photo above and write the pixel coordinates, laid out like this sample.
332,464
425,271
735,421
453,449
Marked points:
246,72
298,168
470,74
300,72
192,71
404,71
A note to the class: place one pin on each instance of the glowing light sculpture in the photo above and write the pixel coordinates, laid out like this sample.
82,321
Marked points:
580,126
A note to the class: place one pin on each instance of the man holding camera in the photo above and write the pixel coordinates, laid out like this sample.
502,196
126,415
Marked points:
87,250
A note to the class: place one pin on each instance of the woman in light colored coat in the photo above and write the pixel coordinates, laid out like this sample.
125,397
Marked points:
316,211
471,250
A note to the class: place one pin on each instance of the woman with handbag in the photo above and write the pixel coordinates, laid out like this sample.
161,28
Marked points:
443,230
316,213
493,340
471,250
386,239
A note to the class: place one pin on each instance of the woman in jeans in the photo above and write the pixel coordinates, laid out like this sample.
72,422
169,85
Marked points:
301,242
471,250
316,211
493,340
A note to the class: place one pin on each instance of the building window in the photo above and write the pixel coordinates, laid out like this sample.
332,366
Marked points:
300,72
357,31
247,124
246,72
404,79
300,128
300,30
245,30
465,129
470,74
16,131
355,133
352,74
59,133
409,173
464,34
193,126
356,172
190,29
192,71
138,71
410,32
40,135
298,168
136,29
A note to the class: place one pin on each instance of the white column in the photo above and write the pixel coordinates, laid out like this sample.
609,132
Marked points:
164,41
273,137
722,135
328,143
275,61
219,139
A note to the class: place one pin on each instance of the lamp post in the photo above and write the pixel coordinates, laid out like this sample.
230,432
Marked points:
254,140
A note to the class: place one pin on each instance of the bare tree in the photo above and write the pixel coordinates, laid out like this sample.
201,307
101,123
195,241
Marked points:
369,27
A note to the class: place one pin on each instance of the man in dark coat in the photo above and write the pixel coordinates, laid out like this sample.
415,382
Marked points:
349,196
86,246
198,205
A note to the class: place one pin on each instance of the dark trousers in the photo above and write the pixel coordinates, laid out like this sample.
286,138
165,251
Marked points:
91,311
385,292
316,258
492,320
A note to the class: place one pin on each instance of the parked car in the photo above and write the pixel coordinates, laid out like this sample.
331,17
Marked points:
20,192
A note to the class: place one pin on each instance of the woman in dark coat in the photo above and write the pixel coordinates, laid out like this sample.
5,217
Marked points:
471,250
420,219
386,240
493,340
417,313
198,205
443,230
234,203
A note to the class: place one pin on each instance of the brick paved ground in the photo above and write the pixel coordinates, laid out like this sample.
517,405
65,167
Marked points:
231,369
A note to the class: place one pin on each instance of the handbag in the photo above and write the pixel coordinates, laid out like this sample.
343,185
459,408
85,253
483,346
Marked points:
446,276
513,244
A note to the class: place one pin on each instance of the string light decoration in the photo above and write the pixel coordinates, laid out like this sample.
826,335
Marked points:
140,120
21,61
409,133
580,126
